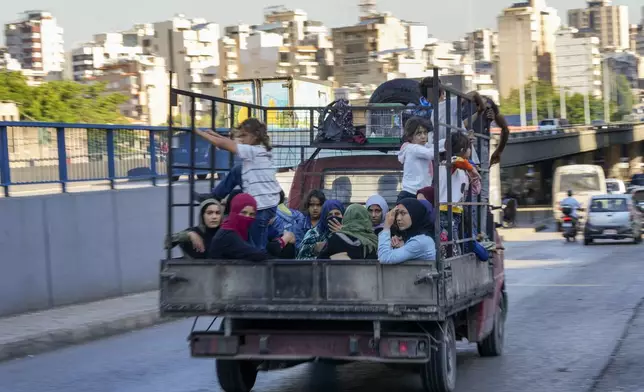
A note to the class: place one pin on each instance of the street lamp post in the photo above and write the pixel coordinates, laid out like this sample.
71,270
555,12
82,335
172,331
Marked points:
520,73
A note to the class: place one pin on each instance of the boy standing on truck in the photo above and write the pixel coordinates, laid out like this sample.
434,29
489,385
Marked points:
253,146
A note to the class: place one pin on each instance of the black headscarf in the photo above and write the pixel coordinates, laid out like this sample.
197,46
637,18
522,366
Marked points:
206,233
419,218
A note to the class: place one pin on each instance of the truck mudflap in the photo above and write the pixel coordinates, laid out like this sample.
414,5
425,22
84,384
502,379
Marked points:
305,346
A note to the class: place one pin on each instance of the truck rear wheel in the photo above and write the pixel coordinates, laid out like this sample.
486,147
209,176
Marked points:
236,376
439,374
324,377
492,345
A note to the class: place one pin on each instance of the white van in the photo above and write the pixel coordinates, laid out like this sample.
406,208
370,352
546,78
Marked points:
584,181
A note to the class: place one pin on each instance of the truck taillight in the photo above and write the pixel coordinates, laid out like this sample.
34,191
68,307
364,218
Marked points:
408,348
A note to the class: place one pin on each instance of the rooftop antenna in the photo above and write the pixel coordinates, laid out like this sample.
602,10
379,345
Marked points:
367,8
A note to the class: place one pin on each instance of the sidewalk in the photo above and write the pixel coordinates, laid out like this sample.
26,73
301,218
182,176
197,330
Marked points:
32,333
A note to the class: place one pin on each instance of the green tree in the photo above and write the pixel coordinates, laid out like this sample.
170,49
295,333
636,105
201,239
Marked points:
549,97
62,101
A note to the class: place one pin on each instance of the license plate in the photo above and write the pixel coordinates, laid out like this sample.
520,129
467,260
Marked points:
567,224
610,232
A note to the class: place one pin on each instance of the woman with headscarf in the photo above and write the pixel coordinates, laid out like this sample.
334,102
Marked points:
193,241
411,217
378,209
315,239
231,241
356,239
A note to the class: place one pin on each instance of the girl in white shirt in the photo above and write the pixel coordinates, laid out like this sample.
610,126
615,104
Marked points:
417,156
253,146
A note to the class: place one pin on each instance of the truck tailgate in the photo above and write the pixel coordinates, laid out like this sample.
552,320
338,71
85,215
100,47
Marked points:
307,289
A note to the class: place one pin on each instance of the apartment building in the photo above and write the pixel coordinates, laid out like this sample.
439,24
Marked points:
89,58
526,45
579,62
144,81
36,41
623,63
480,44
639,39
608,22
194,55
378,48
287,43
7,62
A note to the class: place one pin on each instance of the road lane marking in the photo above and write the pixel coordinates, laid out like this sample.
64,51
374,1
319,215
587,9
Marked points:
555,285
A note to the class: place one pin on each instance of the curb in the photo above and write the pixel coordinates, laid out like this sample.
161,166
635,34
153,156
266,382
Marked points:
60,338
542,225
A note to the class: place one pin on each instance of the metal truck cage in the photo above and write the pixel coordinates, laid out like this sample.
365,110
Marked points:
315,289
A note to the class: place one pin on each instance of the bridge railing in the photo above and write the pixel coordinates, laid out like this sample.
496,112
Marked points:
62,153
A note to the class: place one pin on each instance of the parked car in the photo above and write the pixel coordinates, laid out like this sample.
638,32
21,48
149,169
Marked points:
616,186
636,181
613,217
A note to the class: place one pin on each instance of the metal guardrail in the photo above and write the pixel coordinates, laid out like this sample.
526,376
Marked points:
64,153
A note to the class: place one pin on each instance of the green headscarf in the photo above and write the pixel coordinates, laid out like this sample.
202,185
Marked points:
356,222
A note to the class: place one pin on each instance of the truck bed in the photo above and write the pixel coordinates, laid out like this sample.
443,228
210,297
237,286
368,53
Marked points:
323,289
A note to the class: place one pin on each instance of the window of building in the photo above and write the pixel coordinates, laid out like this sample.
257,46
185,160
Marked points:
284,57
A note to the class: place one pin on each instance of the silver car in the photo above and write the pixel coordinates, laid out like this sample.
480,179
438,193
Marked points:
613,217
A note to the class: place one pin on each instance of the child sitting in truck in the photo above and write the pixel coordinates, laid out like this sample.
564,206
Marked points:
463,177
258,174
416,155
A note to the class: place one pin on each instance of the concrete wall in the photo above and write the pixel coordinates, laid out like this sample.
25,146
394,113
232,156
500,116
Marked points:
63,249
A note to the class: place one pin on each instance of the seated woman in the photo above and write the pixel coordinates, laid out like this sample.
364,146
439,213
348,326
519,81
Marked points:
378,209
356,239
411,216
315,239
193,241
231,241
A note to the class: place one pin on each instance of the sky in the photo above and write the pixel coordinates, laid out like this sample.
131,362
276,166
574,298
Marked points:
447,20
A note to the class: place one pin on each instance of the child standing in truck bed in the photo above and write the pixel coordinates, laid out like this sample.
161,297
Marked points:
416,156
253,146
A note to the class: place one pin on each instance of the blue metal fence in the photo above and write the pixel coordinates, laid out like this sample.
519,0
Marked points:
61,153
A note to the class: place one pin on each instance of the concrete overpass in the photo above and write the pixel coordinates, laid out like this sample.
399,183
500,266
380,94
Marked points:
614,142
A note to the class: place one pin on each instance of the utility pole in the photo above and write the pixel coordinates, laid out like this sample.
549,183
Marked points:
524,122
606,91
587,98
535,113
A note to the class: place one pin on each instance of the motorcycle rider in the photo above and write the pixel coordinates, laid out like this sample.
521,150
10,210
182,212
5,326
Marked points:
574,205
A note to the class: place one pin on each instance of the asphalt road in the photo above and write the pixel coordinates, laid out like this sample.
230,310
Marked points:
570,306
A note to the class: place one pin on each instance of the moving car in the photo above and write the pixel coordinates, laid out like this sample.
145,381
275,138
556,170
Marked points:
614,185
613,217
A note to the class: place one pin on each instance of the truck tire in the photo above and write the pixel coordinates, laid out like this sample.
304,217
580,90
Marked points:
324,377
401,90
236,376
492,345
202,176
439,374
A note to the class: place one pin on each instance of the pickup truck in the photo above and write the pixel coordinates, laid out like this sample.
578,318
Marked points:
281,313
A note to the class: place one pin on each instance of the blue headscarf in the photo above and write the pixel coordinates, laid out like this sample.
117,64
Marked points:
328,206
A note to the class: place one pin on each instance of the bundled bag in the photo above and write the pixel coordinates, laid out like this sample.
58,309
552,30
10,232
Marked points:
336,124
